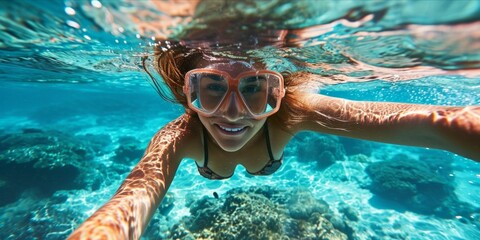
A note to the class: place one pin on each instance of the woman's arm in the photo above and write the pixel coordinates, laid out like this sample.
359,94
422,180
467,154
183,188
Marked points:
456,129
127,214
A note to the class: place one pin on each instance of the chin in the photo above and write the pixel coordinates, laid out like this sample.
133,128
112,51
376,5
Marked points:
232,147
228,140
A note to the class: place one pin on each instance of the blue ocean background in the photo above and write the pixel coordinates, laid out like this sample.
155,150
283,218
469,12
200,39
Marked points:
77,112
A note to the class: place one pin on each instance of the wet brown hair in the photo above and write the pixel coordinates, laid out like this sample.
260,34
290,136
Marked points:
173,63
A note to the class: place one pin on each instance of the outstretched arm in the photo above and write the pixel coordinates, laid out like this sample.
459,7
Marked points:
456,129
127,214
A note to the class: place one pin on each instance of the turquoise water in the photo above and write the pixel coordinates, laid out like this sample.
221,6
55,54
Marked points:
76,113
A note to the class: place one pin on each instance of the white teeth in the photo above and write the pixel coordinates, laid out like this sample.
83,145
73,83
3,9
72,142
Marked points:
231,129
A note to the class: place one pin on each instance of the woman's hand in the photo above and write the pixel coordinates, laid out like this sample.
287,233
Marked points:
456,129
127,214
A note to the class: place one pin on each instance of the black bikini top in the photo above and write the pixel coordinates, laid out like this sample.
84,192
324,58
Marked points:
271,167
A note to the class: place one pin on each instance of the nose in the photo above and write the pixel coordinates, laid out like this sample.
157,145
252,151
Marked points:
232,109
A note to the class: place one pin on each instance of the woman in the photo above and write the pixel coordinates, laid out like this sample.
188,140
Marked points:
237,112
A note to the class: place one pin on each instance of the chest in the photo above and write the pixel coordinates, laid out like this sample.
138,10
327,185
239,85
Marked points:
254,156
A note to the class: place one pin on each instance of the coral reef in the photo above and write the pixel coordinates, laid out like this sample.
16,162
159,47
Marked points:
44,161
46,149
129,150
418,186
354,146
258,213
324,149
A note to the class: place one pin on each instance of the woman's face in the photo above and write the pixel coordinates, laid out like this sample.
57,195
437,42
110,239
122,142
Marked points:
232,127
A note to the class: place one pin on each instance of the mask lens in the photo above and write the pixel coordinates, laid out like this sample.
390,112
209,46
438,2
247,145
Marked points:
207,91
260,92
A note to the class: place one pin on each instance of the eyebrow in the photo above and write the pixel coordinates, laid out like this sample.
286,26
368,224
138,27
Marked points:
214,77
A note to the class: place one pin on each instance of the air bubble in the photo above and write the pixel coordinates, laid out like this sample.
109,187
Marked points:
96,3
70,11
73,24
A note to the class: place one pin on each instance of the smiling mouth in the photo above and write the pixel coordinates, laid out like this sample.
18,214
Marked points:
232,131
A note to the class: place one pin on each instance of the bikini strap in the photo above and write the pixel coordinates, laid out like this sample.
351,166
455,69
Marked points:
267,137
205,147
